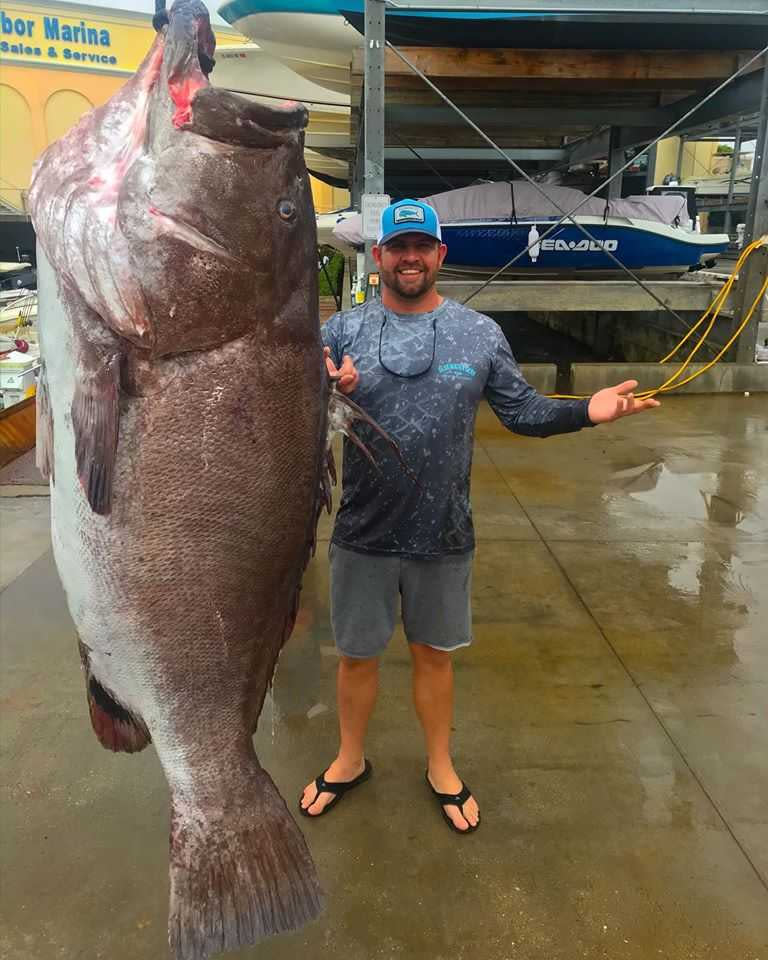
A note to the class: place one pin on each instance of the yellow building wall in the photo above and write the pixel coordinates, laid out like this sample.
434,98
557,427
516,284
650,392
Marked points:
36,107
47,84
666,158
327,198
698,157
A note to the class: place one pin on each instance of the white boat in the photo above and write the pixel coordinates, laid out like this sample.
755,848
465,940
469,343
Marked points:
719,186
326,225
18,306
312,39
251,69
17,303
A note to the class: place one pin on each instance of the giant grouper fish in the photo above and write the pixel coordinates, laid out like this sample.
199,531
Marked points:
182,413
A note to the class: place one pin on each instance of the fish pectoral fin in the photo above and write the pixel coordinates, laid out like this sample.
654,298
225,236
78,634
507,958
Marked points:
343,413
44,415
95,421
116,727
328,480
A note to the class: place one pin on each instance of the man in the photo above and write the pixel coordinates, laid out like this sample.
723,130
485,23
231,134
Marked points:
420,365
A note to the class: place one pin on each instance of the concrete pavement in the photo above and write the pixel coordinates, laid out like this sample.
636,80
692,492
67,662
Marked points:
611,718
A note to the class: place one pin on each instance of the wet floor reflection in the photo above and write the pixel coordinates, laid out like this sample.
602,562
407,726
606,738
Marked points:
300,689
734,496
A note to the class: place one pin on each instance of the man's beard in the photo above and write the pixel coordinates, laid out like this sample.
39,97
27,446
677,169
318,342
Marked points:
409,290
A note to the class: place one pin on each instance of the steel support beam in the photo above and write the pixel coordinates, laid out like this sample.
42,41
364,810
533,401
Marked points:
598,147
679,163
686,8
552,154
732,180
576,296
375,51
740,97
753,275
650,170
408,114
615,160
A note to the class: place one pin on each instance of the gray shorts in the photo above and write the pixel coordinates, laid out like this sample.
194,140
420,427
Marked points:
434,596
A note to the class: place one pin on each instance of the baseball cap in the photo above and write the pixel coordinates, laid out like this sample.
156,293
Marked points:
408,216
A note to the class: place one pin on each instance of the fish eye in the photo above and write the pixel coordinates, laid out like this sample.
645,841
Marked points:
286,210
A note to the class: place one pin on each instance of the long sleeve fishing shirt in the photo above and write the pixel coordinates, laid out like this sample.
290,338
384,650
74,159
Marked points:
422,377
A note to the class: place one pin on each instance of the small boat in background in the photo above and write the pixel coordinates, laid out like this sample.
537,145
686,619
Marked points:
18,295
487,225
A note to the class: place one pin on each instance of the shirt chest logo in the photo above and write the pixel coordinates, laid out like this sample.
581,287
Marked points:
457,371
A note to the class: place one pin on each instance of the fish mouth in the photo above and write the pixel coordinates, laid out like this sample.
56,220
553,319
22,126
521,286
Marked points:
189,55
190,46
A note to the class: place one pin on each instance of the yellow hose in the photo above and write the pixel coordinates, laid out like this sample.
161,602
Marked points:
673,382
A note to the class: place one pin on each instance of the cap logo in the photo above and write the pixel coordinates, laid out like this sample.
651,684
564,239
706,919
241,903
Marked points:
409,214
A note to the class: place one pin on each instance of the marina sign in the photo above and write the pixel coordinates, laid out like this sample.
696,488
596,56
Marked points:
29,36
59,35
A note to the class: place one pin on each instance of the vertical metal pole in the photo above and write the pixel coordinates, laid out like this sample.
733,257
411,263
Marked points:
679,165
731,179
375,51
757,221
357,163
753,275
615,160
650,172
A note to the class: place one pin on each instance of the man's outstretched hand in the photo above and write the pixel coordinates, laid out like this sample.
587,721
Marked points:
616,402
346,376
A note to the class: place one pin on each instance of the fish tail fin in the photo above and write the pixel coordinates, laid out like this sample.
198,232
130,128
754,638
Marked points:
239,876
116,728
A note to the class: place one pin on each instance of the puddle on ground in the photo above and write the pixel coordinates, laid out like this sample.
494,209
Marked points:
731,497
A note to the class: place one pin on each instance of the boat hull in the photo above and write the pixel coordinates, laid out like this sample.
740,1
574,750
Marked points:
317,46
316,37
490,245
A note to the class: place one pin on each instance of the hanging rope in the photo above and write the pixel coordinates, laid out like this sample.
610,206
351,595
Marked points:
451,186
514,211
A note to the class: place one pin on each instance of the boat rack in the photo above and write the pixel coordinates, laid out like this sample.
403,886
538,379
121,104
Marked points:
692,295
444,116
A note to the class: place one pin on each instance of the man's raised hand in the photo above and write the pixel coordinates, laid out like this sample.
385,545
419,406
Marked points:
612,403
346,376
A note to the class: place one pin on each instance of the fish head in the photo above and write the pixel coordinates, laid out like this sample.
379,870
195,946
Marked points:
217,210
180,215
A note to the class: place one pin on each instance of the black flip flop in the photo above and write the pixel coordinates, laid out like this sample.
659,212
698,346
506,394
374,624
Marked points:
338,789
454,800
